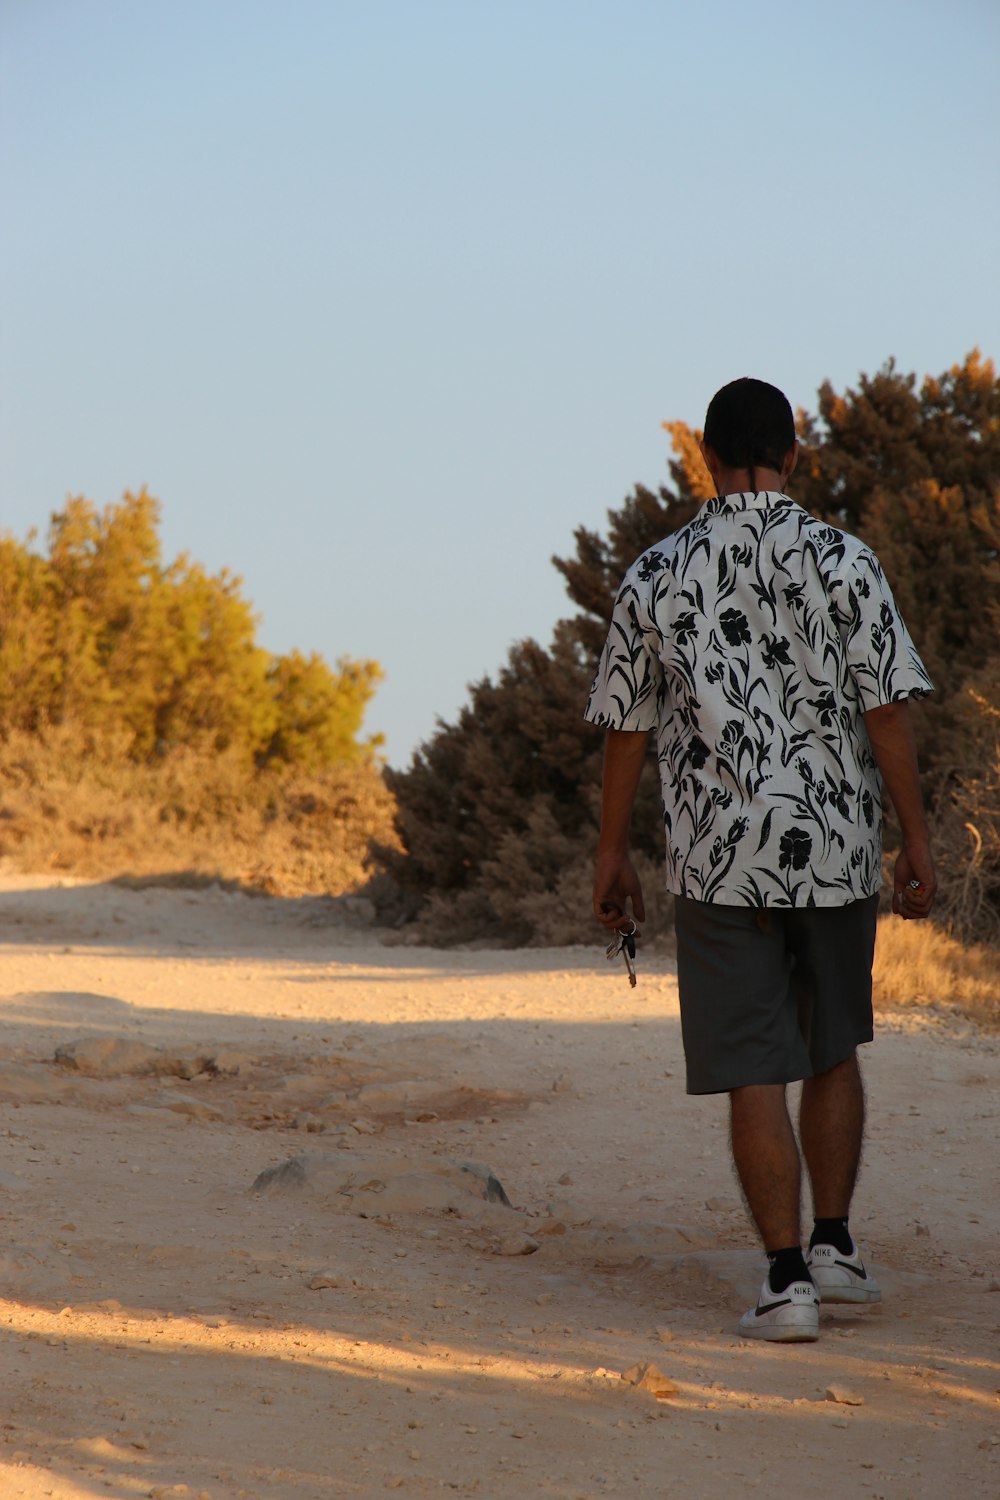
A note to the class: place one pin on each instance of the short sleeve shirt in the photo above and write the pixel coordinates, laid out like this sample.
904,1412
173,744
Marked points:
753,640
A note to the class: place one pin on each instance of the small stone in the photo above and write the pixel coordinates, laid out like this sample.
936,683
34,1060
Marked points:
364,1127
516,1244
648,1377
324,1279
844,1396
565,1180
922,1229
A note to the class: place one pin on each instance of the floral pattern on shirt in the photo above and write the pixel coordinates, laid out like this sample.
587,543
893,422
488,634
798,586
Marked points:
753,640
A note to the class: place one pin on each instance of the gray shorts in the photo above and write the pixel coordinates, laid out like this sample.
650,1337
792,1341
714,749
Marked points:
772,995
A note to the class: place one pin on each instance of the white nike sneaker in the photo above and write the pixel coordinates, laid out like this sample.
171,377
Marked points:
788,1317
841,1278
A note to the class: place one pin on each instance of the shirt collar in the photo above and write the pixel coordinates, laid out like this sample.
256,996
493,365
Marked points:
745,500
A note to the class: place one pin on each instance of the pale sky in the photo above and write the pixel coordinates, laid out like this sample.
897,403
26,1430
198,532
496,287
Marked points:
382,299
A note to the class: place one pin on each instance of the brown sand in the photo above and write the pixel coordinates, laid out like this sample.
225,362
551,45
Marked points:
167,1331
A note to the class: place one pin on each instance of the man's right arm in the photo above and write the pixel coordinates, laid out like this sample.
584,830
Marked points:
615,880
890,731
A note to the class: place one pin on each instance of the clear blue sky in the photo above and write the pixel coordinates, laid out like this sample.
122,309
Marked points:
382,299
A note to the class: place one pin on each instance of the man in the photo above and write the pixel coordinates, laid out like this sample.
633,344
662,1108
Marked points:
765,650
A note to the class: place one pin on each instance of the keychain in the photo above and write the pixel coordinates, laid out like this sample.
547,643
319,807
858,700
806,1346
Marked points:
624,942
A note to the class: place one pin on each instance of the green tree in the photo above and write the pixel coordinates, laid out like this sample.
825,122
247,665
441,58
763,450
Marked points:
206,681
319,713
99,634
29,668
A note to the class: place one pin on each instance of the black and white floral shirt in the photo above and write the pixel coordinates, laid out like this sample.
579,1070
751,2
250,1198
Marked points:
753,640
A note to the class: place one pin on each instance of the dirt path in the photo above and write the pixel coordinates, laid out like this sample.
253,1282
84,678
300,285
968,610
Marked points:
382,1324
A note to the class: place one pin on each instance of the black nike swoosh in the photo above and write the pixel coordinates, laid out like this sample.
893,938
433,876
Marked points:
766,1307
859,1271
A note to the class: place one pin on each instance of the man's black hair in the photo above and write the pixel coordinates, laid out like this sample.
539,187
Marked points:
749,424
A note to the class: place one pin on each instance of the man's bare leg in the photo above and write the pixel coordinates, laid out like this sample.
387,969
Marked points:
831,1128
767,1162
770,1171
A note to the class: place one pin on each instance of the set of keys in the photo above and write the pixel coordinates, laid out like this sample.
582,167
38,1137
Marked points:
624,943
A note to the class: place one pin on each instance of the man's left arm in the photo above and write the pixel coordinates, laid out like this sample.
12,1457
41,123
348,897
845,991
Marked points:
891,734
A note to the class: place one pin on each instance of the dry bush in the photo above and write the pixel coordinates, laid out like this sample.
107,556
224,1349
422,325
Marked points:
967,831
919,965
71,801
522,904
968,865
564,915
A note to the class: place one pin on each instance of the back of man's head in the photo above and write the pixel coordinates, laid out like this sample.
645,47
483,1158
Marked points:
749,424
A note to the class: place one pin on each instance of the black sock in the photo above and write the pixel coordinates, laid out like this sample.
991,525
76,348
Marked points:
786,1266
832,1232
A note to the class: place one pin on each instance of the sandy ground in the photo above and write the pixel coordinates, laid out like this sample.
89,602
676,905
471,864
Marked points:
376,1321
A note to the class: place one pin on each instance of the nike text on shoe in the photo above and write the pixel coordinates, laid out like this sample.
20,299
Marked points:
788,1317
841,1278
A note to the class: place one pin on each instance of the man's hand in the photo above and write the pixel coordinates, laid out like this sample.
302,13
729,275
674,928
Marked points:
615,885
914,883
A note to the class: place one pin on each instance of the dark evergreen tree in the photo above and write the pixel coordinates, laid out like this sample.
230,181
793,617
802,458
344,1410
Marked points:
913,471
